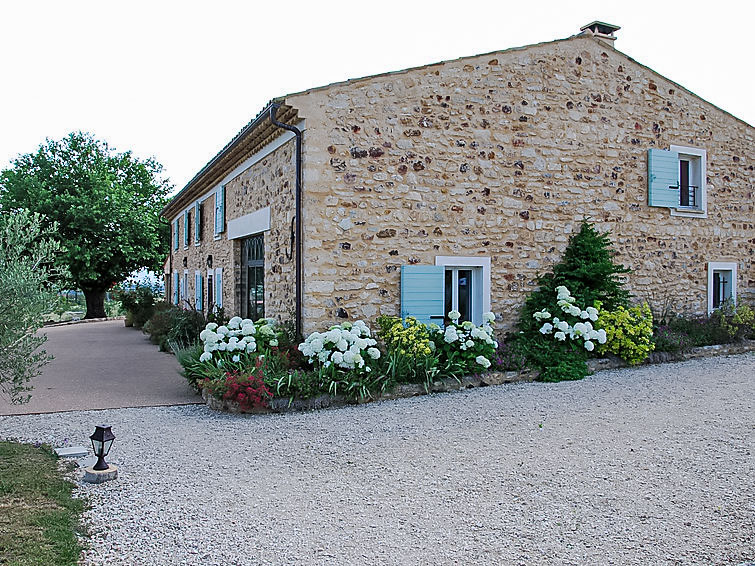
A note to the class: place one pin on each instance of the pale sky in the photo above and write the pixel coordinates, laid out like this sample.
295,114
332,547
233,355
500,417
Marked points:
177,80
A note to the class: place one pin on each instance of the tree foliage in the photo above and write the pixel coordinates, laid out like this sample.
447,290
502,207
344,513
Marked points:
27,253
587,269
106,204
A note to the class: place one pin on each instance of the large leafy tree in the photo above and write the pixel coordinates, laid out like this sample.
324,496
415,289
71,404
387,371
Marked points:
106,205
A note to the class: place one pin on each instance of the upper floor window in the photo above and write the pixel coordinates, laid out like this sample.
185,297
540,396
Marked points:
677,178
220,210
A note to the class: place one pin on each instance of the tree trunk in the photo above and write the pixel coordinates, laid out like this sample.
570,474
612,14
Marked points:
95,303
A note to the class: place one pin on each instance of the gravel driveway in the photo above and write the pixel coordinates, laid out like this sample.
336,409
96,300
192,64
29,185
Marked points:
652,465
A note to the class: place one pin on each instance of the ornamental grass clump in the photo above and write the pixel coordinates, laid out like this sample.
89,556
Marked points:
463,347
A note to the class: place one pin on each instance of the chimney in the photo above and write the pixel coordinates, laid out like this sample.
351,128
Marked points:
601,31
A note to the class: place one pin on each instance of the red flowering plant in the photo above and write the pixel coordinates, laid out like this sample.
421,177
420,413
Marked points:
248,389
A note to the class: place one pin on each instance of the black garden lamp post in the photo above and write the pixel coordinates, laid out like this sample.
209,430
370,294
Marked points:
102,440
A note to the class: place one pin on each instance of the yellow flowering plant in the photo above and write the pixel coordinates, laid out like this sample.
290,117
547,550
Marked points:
629,332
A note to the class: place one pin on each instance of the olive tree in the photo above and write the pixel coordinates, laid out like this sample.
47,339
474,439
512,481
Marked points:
106,205
27,255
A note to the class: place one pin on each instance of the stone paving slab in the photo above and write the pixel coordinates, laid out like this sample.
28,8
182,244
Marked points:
103,365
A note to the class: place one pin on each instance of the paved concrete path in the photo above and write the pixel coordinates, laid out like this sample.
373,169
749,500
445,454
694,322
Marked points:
103,365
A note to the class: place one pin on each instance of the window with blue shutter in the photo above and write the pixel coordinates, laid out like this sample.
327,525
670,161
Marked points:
422,293
219,288
197,222
175,287
198,279
220,210
175,235
186,228
663,178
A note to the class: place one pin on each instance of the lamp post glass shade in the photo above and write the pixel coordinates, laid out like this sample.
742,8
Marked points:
102,440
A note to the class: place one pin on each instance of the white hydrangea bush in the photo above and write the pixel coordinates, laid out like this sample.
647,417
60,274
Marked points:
465,343
346,347
237,341
579,329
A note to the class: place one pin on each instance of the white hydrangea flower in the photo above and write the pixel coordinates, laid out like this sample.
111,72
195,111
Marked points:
547,328
273,342
602,338
483,361
589,346
333,335
248,329
374,353
205,357
211,326
348,359
562,292
541,315
234,323
223,330
592,313
221,346
563,326
469,344
560,336
337,358
251,346
360,343
236,358
454,315
488,317
323,356
358,360
574,310
467,325
342,345
203,334
584,315
316,345
579,329
450,334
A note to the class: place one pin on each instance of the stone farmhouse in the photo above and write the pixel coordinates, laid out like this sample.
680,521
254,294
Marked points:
454,184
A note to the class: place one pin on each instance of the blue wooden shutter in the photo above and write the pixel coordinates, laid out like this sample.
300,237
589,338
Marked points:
663,178
422,293
175,287
186,228
222,209
219,288
197,222
198,290
175,234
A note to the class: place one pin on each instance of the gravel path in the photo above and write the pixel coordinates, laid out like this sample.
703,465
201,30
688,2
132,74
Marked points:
652,465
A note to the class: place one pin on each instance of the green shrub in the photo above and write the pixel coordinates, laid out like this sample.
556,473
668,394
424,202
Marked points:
138,303
669,340
463,348
629,332
589,275
587,270
410,354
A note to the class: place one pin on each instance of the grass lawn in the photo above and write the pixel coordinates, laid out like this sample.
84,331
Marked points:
39,520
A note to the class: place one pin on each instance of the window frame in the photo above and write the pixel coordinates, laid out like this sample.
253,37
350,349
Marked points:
714,266
699,157
480,266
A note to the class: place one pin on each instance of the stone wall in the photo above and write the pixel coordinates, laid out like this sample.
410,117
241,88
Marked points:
268,182
503,155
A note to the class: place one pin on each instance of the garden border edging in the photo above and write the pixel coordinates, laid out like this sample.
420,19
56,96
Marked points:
405,390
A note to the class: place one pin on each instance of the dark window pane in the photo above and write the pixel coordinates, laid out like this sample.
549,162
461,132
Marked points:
684,195
253,277
465,294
